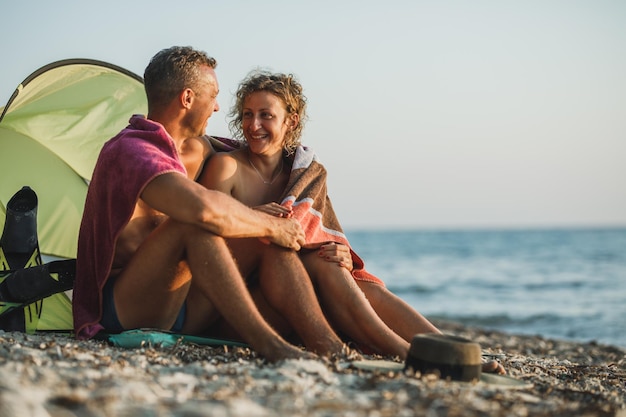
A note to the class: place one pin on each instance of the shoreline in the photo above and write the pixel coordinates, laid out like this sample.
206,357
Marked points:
57,375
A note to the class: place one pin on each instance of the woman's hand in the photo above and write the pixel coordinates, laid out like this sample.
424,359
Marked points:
333,252
275,209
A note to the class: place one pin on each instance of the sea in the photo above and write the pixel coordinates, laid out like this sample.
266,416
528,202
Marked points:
567,284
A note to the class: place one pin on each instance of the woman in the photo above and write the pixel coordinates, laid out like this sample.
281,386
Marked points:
269,114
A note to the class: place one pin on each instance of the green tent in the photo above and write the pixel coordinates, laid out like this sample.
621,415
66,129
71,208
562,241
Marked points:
51,132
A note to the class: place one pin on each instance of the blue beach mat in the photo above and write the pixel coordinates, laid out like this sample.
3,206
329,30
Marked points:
141,337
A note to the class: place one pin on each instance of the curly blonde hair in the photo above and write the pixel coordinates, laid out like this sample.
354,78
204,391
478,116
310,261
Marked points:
283,86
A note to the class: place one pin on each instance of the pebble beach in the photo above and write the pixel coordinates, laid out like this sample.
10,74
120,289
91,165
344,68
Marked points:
56,375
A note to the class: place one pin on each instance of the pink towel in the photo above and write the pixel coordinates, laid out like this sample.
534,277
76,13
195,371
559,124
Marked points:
147,151
306,194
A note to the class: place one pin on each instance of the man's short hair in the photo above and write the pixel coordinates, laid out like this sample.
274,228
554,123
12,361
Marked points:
172,70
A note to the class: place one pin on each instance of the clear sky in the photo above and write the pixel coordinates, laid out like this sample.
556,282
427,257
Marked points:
426,113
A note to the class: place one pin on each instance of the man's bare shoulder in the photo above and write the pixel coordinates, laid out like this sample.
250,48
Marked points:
197,145
193,154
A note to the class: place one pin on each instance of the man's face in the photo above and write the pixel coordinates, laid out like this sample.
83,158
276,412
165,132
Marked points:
205,101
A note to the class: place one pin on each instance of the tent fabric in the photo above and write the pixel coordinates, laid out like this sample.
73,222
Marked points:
51,132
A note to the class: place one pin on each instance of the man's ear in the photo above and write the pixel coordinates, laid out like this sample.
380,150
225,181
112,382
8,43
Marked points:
186,97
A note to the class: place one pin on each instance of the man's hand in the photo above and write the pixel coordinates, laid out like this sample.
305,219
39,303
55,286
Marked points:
287,233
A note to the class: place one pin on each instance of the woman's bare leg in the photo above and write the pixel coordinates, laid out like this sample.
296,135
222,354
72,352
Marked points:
401,317
404,319
349,309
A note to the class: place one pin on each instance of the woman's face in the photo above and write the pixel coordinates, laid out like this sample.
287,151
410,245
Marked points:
265,122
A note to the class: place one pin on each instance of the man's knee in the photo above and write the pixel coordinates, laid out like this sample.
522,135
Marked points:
274,255
195,233
278,251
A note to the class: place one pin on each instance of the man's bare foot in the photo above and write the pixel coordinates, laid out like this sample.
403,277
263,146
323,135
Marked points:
330,347
282,351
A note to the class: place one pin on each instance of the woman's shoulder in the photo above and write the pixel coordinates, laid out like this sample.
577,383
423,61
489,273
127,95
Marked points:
226,158
224,164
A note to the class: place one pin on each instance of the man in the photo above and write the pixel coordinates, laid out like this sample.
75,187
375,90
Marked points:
151,250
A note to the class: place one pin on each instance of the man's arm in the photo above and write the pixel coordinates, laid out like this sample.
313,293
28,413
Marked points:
189,202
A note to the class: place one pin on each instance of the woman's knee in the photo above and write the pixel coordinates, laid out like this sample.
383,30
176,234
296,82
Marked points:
374,292
320,270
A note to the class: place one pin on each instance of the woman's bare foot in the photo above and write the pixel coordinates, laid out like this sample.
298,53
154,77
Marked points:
493,367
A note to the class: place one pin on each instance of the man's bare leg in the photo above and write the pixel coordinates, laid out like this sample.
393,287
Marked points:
152,287
221,329
349,309
286,287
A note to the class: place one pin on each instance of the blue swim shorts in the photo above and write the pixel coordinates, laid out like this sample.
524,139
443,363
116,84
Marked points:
110,321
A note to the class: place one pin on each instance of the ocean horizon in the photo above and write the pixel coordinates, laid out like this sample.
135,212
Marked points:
562,283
